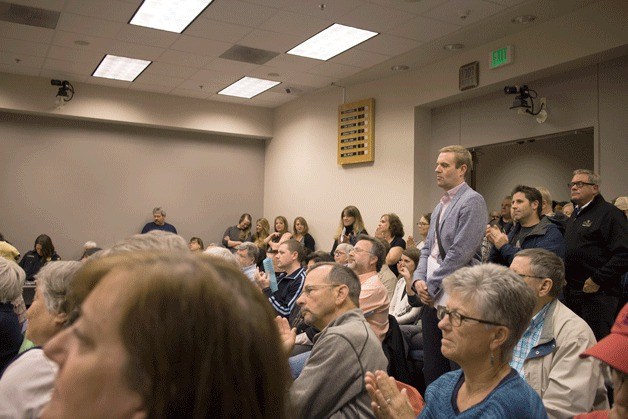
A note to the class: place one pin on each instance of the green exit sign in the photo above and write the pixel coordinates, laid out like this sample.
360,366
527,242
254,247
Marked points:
501,57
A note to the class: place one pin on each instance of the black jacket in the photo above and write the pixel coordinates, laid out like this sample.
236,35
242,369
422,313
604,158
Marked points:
32,263
597,246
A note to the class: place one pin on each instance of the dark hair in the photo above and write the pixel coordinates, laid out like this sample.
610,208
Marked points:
244,233
340,274
395,225
294,246
378,249
181,369
428,217
302,221
546,264
318,256
358,224
47,248
285,224
414,254
531,194
198,240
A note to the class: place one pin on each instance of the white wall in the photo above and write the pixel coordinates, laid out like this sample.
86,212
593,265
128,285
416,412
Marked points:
79,181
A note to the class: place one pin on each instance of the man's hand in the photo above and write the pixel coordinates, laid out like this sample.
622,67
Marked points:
590,286
287,335
262,280
424,295
496,237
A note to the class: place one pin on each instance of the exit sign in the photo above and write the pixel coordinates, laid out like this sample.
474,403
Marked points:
501,57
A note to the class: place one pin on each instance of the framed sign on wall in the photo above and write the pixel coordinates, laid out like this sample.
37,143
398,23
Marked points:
356,132
469,76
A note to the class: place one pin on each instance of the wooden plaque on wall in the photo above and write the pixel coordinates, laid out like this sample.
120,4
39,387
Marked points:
356,132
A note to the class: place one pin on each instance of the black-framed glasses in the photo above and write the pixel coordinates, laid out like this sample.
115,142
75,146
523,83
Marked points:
579,184
456,318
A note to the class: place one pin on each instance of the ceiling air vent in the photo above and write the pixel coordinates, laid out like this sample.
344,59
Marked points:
248,55
25,15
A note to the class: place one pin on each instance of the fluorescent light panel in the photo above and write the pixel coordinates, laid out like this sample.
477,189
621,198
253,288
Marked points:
331,42
168,15
248,87
120,68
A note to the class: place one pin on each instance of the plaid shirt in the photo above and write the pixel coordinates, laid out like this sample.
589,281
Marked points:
528,341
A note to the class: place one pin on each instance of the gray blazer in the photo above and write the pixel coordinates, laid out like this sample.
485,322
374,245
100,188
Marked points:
462,227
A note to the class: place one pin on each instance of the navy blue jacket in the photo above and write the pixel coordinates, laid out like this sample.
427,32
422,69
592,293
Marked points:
545,235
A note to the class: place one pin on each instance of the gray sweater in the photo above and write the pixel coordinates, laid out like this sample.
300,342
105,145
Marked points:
332,381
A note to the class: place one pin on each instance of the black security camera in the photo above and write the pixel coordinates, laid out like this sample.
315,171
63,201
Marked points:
56,82
513,90
66,90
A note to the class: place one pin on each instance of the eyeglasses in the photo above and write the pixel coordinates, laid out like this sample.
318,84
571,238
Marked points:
523,276
339,253
456,318
307,290
360,250
579,184
422,224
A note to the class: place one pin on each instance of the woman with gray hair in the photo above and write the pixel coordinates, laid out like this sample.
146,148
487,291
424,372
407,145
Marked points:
488,309
11,282
26,385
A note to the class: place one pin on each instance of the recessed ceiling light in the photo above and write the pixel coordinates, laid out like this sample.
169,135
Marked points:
248,87
523,19
168,15
120,68
399,67
453,47
331,42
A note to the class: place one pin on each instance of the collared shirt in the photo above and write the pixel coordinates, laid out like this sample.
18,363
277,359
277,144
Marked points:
374,303
529,340
445,200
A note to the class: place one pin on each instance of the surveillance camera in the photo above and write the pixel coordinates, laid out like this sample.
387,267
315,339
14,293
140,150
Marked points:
288,90
513,90
56,82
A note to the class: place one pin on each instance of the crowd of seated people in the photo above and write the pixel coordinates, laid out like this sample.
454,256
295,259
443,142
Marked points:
513,334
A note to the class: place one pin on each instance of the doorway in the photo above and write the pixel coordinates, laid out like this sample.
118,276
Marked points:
540,161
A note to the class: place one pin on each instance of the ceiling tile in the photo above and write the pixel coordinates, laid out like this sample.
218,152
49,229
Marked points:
69,66
335,70
228,99
147,87
207,77
286,62
56,5
110,10
147,36
375,18
200,46
171,70
230,66
68,39
277,4
415,7
232,11
25,60
25,32
296,24
217,30
311,80
190,93
271,41
208,88
474,10
75,54
159,80
333,10
424,30
184,58
110,82
89,25
18,47
388,44
18,69
142,52
64,75
361,59
508,3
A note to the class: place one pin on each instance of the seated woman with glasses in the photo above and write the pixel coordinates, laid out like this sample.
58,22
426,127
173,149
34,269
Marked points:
487,311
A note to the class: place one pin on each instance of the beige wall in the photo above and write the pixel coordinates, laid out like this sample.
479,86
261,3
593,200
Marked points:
407,138
79,181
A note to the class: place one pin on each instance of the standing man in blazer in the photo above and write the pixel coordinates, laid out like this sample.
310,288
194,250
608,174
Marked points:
453,242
